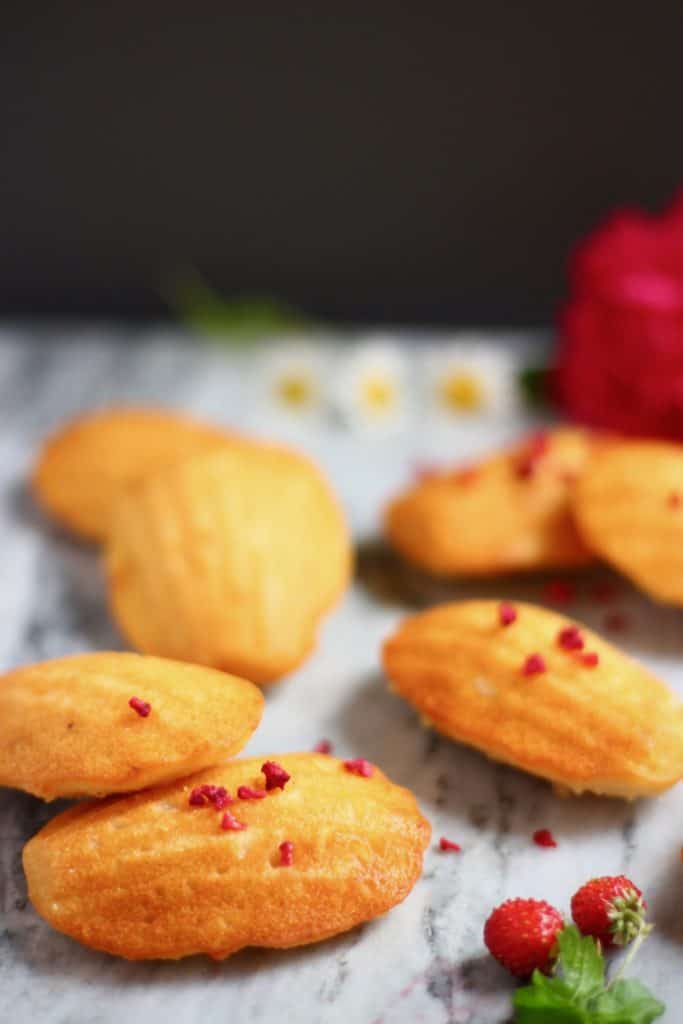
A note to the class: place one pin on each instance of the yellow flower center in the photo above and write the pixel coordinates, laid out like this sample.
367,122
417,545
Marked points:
378,394
295,390
462,392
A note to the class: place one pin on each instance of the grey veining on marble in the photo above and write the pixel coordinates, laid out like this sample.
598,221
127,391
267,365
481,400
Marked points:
423,962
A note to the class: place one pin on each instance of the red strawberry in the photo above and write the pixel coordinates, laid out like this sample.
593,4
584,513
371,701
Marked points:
610,909
521,935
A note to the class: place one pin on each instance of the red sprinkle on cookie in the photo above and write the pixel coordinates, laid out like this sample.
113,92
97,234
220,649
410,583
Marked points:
276,776
359,766
249,793
570,638
286,854
230,823
534,664
140,706
507,613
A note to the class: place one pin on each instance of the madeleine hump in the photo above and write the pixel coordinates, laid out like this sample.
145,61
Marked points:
94,724
154,876
581,713
508,513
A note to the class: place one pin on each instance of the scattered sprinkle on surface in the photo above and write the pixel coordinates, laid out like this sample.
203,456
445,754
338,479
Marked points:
559,592
544,837
448,846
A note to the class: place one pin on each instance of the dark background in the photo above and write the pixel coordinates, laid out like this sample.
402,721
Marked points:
415,162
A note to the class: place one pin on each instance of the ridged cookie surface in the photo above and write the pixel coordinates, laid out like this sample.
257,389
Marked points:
629,508
229,559
510,512
67,728
151,876
541,693
84,467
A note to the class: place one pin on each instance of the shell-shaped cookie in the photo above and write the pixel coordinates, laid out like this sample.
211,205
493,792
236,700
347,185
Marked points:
150,876
629,508
540,693
229,559
67,728
84,467
508,513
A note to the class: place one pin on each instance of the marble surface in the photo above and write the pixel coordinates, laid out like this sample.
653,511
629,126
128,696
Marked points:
425,961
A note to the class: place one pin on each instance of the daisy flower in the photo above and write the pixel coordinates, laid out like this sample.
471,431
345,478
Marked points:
290,378
471,379
369,388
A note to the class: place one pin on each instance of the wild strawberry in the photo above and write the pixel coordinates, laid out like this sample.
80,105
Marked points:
522,935
610,909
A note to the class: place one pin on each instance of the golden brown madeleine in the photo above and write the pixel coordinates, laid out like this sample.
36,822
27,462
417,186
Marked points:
229,559
68,727
629,509
532,688
154,876
510,512
83,468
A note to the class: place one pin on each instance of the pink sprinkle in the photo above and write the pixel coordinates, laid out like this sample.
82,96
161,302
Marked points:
426,471
675,499
286,854
276,776
220,798
590,659
559,591
507,614
570,639
249,793
207,794
448,845
534,664
544,837
359,766
466,475
617,622
536,448
604,591
141,706
230,823
322,747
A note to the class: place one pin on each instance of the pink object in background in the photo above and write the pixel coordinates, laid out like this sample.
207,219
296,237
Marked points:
620,361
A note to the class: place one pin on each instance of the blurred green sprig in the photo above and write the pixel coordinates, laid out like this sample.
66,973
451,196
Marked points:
236,321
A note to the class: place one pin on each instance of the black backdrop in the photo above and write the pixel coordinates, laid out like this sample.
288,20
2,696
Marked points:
407,162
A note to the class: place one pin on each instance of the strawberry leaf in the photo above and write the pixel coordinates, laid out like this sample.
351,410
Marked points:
627,1002
583,967
576,993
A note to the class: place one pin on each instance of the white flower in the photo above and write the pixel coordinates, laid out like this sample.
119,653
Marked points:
369,389
471,379
290,378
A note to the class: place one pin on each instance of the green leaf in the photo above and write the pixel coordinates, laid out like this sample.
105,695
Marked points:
241,319
583,967
576,993
534,383
547,999
627,1002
